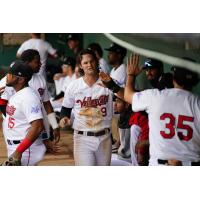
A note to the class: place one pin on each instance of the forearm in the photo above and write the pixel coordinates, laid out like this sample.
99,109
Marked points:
48,107
115,88
129,89
65,112
33,133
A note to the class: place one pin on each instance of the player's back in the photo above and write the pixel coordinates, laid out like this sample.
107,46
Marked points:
174,124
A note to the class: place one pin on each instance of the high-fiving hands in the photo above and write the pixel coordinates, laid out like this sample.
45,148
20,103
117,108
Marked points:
133,68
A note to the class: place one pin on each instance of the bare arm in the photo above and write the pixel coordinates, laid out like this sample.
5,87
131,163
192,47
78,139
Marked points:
33,133
132,71
48,107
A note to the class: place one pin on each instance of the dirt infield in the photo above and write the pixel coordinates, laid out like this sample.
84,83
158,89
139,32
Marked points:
63,158
65,155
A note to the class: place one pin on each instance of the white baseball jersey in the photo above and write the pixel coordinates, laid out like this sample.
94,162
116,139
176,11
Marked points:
38,84
59,85
8,91
67,81
43,47
104,66
119,75
23,108
92,105
174,119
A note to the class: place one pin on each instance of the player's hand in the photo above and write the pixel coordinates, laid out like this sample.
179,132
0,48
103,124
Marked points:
51,146
57,76
2,90
65,121
13,160
104,77
133,65
56,133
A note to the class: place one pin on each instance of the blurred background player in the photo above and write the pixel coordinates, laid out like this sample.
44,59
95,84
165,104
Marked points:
99,54
116,55
155,74
43,47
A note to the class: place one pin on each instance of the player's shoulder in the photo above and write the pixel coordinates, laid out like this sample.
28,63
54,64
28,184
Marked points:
27,94
75,85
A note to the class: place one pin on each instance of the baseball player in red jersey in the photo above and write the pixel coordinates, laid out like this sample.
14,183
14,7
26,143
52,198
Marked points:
174,133
92,106
23,121
139,141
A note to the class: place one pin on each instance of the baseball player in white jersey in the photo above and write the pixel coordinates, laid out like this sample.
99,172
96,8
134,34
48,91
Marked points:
174,133
116,56
43,47
92,106
23,121
38,84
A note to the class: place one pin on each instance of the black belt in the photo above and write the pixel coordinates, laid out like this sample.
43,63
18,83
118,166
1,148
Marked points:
164,162
100,133
11,142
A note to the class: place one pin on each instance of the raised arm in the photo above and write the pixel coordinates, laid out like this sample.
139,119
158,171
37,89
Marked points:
132,71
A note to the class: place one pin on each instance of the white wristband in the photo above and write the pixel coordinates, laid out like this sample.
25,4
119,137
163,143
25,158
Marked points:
52,120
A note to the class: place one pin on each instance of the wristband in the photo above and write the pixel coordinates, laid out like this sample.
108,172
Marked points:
52,120
112,86
25,144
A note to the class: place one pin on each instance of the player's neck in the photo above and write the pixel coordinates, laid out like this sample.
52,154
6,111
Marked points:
91,79
115,66
19,87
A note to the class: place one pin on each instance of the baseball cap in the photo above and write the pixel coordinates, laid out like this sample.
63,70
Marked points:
117,48
72,36
151,63
69,61
18,68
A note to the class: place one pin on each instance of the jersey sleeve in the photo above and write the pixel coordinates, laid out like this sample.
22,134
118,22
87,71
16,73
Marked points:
142,100
32,109
50,49
21,49
69,98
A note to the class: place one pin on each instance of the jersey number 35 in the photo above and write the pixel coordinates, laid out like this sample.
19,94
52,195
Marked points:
180,125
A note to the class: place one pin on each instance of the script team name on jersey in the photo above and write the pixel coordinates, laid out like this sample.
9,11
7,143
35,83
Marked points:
89,102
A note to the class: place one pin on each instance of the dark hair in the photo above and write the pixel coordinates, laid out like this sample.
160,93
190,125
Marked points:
29,54
96,47
37,34
87,51
70,61
185,77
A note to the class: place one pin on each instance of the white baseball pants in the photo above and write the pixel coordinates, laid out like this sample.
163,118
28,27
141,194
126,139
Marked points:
32,155
91,150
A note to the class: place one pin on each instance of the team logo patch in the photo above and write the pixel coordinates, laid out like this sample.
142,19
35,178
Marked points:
10,110
41,91
35,109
